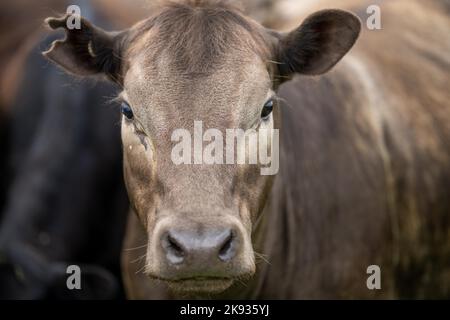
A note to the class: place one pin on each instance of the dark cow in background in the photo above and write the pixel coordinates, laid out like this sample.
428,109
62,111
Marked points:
26,17
65,202
3,161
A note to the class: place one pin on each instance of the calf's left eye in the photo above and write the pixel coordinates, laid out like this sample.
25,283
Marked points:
267,109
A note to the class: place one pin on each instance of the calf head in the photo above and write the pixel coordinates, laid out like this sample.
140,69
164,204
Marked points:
207,66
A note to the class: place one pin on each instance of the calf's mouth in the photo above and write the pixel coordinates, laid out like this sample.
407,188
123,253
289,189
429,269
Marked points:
200,285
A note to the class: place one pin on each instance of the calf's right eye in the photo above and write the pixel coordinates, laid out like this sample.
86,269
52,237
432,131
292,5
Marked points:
126,110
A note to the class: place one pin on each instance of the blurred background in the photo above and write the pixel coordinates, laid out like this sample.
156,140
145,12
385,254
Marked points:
62,197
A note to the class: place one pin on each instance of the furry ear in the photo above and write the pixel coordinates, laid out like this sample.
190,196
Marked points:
319,43
86,51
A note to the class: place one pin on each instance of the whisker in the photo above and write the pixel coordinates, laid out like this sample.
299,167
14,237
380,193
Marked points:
135,248
144,267
274,62
242,282
262,257
138,259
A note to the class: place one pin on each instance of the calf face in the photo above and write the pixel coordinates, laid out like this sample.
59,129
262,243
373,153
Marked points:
189,66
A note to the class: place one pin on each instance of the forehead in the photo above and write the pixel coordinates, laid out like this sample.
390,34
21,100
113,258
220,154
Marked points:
195,40
233,76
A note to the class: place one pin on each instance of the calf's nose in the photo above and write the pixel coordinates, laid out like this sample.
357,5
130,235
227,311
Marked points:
198,249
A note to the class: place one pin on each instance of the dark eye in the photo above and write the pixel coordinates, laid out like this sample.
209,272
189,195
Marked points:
267,109
126,110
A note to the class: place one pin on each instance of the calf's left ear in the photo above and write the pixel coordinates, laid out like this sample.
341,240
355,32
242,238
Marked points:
318,44
86,51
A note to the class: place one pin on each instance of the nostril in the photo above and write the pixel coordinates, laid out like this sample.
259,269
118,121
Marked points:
227,249
174,250
174,246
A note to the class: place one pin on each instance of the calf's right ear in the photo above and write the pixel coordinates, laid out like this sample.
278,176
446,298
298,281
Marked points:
86,51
